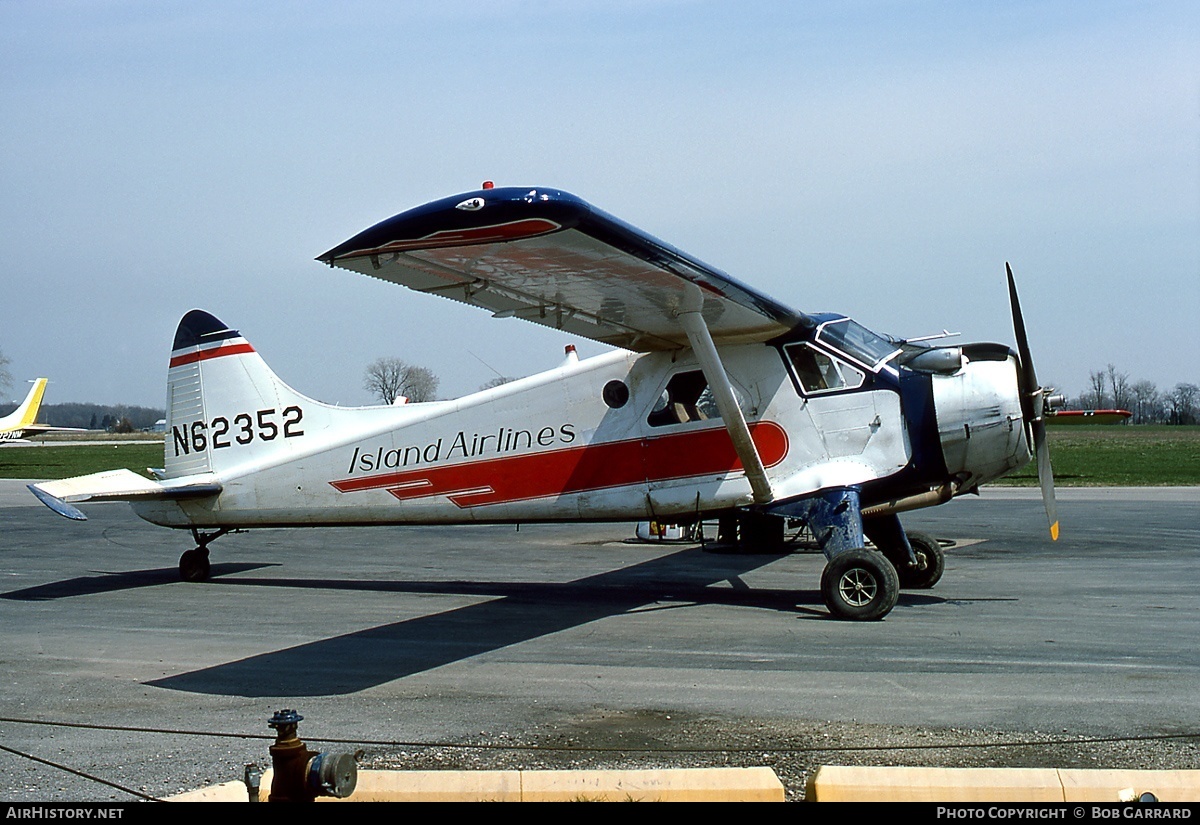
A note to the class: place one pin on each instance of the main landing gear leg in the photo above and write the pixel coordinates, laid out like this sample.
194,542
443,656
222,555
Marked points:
857,584
194,565
917,557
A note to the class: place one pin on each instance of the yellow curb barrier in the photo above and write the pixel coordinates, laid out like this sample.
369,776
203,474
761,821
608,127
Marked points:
429,786
683,785
225,792
836,783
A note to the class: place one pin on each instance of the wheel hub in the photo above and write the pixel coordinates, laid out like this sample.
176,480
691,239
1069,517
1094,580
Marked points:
858,587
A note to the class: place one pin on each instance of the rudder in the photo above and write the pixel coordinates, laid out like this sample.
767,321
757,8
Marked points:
27,413
224,404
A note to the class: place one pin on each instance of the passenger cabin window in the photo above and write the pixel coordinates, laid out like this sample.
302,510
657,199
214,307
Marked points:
687,397
816,372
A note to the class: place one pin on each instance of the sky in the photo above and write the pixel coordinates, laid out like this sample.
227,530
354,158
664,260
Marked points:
878,158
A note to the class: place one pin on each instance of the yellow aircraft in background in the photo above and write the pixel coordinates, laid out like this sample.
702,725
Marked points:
20,423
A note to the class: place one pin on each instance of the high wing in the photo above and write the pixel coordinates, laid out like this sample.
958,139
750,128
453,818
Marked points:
549,257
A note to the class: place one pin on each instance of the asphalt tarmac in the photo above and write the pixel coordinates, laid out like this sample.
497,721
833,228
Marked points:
121,682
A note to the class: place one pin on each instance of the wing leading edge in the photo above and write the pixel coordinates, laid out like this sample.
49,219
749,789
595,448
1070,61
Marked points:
549,257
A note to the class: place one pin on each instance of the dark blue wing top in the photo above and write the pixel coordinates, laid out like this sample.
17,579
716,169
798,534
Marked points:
551,258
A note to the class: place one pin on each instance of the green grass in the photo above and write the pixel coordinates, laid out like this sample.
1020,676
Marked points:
50,461
1083,456
1118,456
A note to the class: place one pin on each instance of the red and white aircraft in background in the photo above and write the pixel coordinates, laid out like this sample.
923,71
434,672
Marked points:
1089,417
717,402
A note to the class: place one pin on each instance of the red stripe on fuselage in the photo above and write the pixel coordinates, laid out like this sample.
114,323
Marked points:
512,231
206,354
578,469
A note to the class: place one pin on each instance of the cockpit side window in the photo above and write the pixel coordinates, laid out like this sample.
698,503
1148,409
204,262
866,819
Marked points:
856,341
818,373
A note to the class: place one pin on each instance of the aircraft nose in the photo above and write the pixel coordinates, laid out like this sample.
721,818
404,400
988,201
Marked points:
980,424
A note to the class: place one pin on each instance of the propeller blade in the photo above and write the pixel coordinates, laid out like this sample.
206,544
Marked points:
1029,386
1032,406
1046,477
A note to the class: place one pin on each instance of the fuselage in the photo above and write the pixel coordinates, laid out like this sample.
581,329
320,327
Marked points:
622,436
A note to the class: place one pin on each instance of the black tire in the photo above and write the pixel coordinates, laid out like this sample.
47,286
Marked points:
761,533
933,560
860,585
194,565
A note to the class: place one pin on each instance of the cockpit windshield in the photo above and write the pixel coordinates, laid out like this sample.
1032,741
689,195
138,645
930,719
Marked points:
856,341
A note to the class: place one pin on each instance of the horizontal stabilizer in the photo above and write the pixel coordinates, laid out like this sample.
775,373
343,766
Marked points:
42,429
113,485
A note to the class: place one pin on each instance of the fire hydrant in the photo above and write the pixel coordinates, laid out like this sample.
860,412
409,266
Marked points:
302,775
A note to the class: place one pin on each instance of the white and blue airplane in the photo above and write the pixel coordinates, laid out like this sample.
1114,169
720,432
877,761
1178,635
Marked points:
716,402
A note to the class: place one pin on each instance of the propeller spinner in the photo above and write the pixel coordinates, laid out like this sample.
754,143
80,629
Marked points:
1033,406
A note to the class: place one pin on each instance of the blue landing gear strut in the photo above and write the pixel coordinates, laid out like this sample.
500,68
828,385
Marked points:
857,584
917,557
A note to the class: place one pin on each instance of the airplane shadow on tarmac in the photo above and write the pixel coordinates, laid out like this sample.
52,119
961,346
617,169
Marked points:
518,612
104,582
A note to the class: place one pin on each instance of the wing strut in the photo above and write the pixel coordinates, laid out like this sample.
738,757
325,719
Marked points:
692,321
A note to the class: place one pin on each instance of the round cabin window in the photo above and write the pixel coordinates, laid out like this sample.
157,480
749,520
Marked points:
616,394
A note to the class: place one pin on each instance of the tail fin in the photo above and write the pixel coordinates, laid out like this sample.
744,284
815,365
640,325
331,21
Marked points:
27,413
224,404
220,395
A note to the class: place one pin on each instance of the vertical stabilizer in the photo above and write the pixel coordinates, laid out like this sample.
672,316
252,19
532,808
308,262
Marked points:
27,413
224,404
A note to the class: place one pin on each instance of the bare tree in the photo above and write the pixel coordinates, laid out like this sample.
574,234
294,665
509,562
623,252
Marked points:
5,375
495,382
389,378
1094,398
1118,383
1182,401
1145,402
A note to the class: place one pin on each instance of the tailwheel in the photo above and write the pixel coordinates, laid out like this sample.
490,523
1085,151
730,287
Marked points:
860,585
931,563
194,565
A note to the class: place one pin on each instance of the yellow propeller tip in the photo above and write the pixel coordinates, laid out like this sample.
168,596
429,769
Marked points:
1054,531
